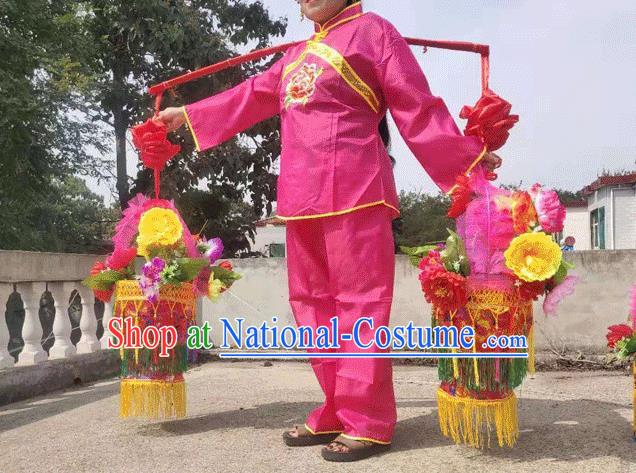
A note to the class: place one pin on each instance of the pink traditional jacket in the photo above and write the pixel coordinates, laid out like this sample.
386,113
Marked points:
331,93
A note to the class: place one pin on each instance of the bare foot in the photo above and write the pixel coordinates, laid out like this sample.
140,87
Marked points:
346,445
299,431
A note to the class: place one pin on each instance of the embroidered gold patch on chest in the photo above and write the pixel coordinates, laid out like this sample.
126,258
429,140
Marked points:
302,84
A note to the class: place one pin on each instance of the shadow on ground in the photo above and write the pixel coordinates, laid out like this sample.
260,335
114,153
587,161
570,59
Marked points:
559,430
33,410
570,430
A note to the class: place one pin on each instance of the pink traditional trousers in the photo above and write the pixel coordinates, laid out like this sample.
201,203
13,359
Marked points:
343,266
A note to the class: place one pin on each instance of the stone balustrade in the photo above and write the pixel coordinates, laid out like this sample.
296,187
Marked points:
46,288
62,318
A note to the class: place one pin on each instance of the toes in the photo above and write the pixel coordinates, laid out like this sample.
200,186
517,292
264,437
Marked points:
337,447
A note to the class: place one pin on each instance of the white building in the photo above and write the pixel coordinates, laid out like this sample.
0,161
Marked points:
607,219
270,236
577,224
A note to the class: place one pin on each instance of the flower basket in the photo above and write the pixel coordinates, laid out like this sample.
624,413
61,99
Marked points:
486,276
152,386
157,301
476,396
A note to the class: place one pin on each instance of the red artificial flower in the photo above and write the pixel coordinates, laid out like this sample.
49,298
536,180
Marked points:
432,261
530,291
226,265
202,282
461,196
121,258
490,120
103,296
444,289
616,333
151,139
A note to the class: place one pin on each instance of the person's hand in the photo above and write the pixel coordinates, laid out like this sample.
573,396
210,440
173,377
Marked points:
491,162
173,117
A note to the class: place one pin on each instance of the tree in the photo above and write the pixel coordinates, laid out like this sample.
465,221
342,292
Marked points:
567,196
144,42
423,219
41,82
68,217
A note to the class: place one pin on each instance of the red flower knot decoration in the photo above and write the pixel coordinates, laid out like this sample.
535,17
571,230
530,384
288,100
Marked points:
151,140
490,120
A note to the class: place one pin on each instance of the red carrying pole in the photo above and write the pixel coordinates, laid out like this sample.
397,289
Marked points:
158,89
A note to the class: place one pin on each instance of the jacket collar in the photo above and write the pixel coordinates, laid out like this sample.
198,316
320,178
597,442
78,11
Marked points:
346,14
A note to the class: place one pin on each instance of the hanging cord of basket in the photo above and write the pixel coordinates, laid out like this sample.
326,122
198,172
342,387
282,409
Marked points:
489,119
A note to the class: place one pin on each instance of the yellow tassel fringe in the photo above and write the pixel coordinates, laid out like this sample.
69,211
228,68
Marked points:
471,421
152,399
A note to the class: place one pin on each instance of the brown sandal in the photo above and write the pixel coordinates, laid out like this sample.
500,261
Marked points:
307,439
357,450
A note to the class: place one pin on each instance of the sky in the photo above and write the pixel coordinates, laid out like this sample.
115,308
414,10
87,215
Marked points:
567,67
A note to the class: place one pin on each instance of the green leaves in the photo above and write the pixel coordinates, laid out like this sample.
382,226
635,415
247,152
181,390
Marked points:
190,267
562,272
626,347
423,219
183,270
226,276
454,255
103,281
416,253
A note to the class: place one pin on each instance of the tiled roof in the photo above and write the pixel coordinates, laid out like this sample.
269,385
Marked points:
271,221
604,181
576,204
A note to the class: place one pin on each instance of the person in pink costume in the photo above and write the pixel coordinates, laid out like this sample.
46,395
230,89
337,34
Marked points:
337,192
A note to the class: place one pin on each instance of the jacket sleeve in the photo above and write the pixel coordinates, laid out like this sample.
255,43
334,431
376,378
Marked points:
422,119
219,117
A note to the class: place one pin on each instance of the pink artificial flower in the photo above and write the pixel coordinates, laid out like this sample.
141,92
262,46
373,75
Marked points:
550,211
558,293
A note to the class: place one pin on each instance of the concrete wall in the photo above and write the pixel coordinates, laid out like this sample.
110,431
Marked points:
600,300
27,266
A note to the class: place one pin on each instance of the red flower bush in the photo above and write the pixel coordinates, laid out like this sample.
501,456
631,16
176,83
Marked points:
490,120
616,333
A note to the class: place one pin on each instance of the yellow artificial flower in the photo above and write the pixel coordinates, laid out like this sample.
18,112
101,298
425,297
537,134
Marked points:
533,257
158,227
215,288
